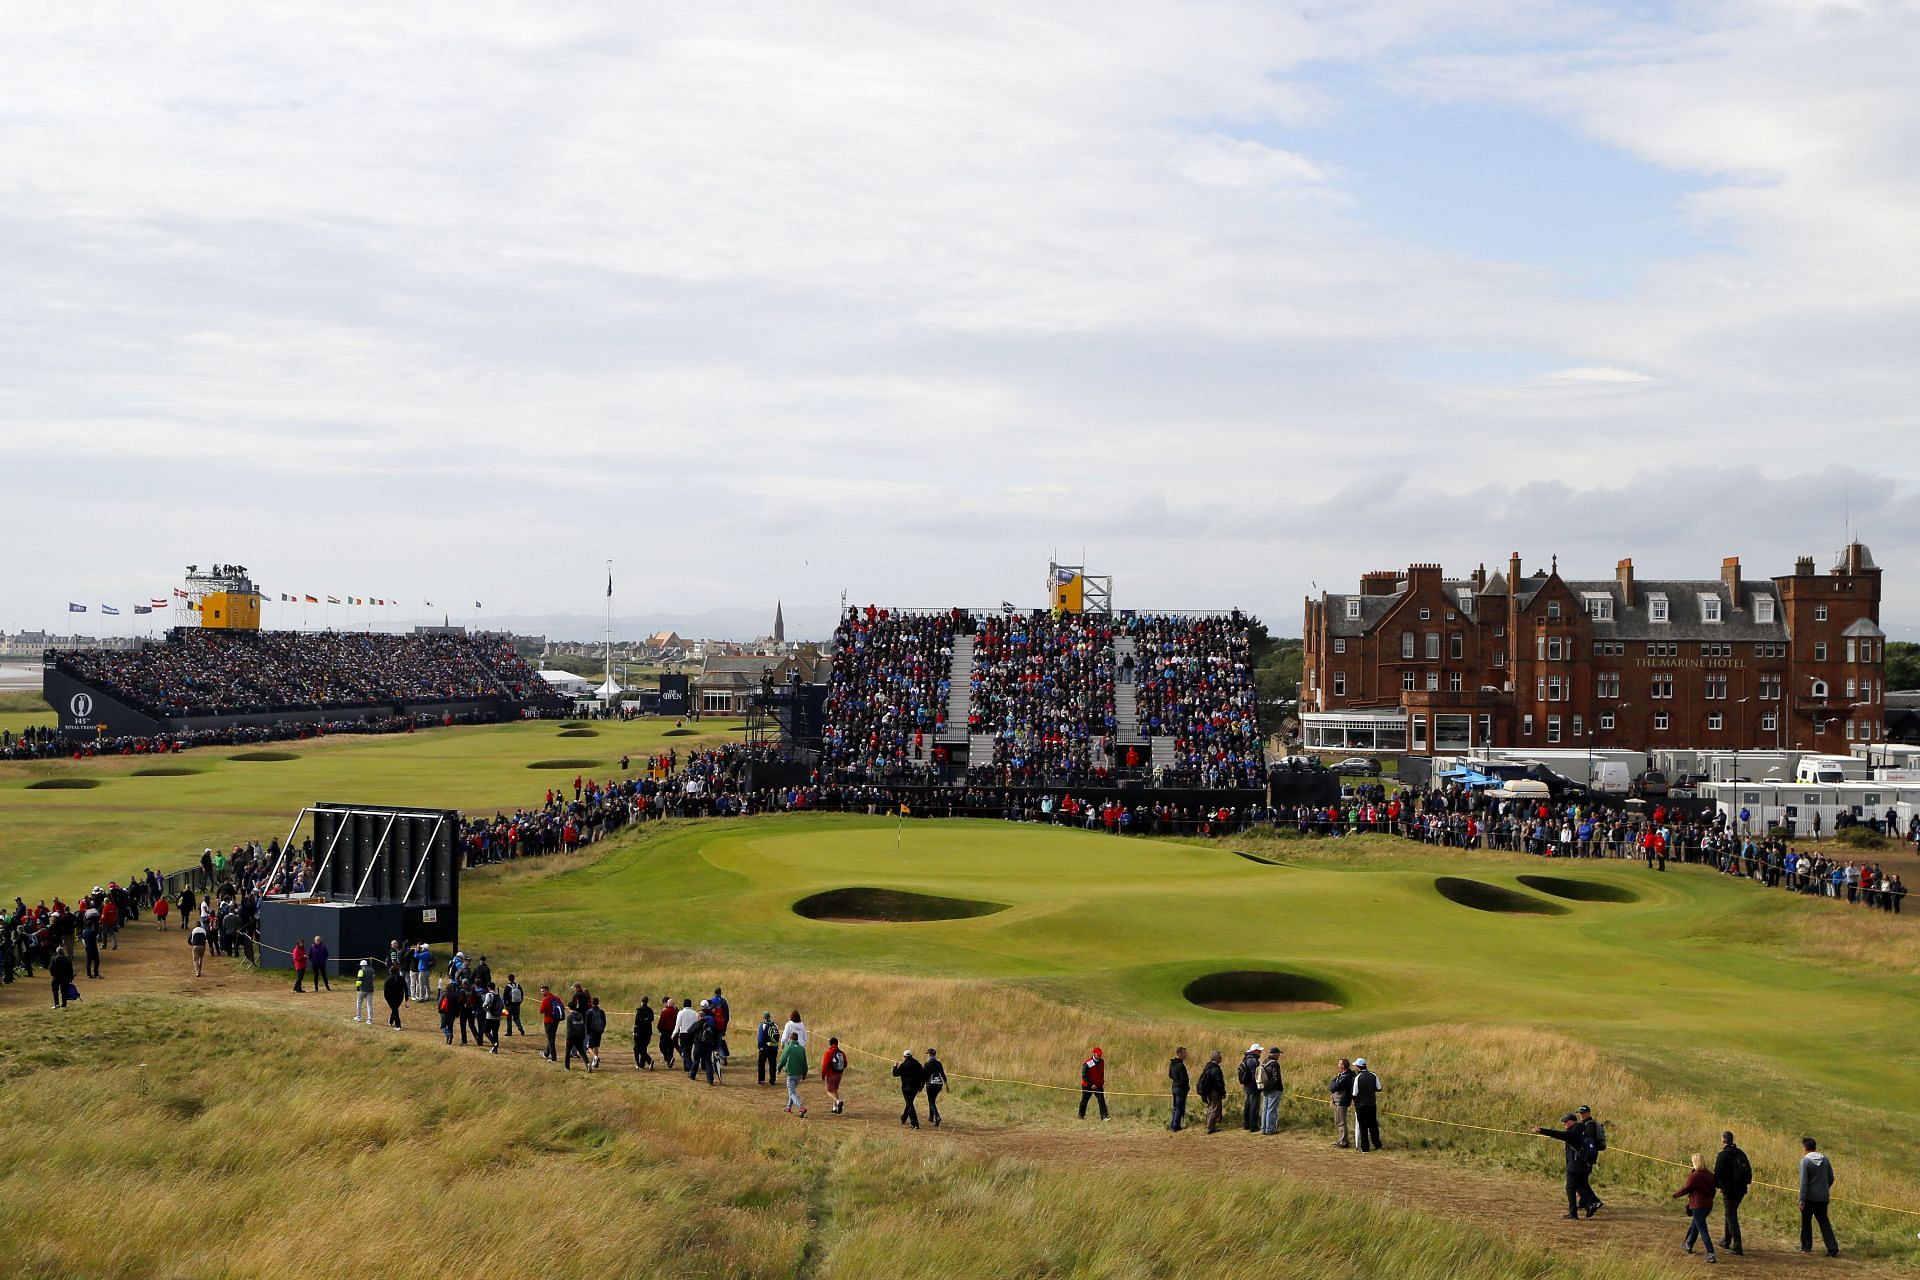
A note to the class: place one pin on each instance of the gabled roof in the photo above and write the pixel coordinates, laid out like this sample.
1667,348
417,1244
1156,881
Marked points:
1632,620
1865,627
1372,609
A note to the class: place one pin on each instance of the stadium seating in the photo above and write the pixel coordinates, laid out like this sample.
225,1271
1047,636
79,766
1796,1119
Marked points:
888,701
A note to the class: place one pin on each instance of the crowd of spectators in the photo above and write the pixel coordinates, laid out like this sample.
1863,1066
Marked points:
1043,687
46,743
1194,684
197,672
887,703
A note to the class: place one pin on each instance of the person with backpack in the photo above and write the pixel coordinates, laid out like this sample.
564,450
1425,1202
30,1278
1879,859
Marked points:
1366,1110
766,1039
643,1035
1272,1087
1593,1141
1213,1090
197,942
596,1028
576,1038
793,1065
1248,1075
722,1015
683,1024
1816,1192
491,1007
1180,1082
1733,1174
1697,1190
363,993
1093,1083
1573,1135
395,992
833,1065
935,1073
552,1012
449,1010
1340,1094
511,999
912,1078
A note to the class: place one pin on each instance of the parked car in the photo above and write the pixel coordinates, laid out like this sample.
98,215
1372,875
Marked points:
1651,783
1357,767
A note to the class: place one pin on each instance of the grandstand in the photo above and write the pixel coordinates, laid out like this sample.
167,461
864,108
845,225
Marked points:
199,679
1049,698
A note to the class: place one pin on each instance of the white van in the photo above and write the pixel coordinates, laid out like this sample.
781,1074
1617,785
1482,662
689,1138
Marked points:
1611,777
1824,770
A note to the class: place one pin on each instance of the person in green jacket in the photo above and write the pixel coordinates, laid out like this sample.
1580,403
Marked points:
793,1065
363,993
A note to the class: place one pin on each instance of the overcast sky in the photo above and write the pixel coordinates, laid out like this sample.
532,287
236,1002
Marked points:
454,302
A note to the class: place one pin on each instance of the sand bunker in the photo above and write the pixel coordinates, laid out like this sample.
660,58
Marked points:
564,764
1262,991
889,906
1491,897
579,733
165,771
264,755
64,784
1579,890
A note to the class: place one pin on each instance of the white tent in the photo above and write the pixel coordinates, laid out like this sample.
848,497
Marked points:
608,691
565,681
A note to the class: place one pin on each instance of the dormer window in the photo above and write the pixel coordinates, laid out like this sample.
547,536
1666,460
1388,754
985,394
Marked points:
1553,608
1466,602
1353,610
1656,608
1599,606
1763,609
1709,608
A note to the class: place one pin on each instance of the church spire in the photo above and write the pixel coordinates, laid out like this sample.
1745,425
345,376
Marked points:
779,624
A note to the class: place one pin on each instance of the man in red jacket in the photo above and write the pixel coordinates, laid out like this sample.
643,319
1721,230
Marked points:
1093,1083
551,1014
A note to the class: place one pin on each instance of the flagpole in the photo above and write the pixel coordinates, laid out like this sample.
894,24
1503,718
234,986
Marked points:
609,684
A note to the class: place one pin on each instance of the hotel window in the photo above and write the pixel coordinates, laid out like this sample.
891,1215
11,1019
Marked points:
1852,655
1406,644
1661,684
1576,728
1820,651
1660,721
1716,687
1353,609
1339,646
1499,631
1714,722
1763,609
1433,646
1453,682
1656,608
1499,657
1425,614
1457,646
1849,728
1609,685
1433,682
1606,719
1553,689
1339,684
1466,602
1540,689
1819,613
1406,682
1553,649
1709,608
1526,725
1419,733
1539,648
1852,689
1769,722
1553,728
1486,730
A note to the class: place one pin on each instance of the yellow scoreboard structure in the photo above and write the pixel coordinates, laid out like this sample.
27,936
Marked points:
1071,589
224,597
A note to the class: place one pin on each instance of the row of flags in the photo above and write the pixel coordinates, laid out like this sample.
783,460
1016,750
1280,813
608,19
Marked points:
300,598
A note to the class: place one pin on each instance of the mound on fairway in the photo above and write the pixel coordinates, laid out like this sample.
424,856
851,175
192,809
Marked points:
1254,857
1579,890
564,764
679,733
63,784
889,906
1491,897
1262,991
579,733
573,724
166,771
264,755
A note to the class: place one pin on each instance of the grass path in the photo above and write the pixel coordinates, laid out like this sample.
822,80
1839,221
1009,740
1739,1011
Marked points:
1521,1211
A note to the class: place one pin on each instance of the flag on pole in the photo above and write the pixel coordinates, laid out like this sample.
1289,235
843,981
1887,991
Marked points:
158,602
312,600
178,594
283,597
333,599
143,608
478,605
609,584
110,610
75,608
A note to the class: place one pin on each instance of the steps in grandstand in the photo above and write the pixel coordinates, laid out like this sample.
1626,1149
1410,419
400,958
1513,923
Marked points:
1126,708
979,748
1165,754
959,691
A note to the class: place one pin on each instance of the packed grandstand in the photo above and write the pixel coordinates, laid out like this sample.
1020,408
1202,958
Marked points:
224,673
1044,698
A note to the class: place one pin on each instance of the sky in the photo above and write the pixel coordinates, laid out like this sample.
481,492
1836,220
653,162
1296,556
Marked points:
1229,301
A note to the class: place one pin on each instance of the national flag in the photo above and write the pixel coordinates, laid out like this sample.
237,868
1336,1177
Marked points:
478,605
158,602
143,608
609,584
75,608
178,594
283,597
311,600
109,610
333,599
429,604
381,603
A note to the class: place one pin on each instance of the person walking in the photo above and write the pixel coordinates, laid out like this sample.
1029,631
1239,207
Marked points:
60,974
1573,1136
702,1042
1816,1190
912,1077
1272,1086
833,1065
1093,1083
90,939
449,1010
363,993
299,965
936,1080
796,1026
669,1019
576,1022
491,1008
1594,1139
1340,1094
596,1028
395,992
793,1065
160,911
317,956
683,1023
1732,1174
643,1035
197,942
1248,1075
1213,1090
766,1040
1697,1190
1366,1111
1180,1082
551,1013
422,972
512,998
